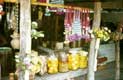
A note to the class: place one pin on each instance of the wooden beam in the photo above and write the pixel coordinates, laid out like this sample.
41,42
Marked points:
25,26
92,55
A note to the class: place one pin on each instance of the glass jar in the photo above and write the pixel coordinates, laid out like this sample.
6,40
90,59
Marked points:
83,61
52,64
63,62
73,60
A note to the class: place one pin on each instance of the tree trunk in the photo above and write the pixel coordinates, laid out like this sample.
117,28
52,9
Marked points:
92,56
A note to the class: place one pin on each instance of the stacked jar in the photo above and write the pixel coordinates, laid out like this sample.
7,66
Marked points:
83,59
73,60
52,64
63,62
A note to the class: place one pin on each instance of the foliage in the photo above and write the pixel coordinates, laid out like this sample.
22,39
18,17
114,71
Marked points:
102,33
34,33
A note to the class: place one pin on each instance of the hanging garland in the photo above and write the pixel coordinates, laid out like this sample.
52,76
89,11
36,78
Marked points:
77,25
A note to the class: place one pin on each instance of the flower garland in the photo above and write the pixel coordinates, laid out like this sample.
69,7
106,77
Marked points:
77,25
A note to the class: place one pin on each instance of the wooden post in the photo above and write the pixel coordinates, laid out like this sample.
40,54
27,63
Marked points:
25,31
96,24
25,27
117,58
117,53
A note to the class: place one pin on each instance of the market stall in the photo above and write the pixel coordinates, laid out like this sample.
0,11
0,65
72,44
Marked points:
60,55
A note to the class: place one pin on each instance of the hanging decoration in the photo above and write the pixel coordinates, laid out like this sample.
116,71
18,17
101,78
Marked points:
85,23
77,25
55,9
1,9
40,14
12,18
15,42
47,11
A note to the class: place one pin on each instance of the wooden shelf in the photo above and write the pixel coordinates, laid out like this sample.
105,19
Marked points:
63,76
52,5
11,1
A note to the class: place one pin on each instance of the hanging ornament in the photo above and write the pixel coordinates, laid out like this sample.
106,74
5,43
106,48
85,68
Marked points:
47,11
68,24
40,13
85,24
76,27
56,9
15,42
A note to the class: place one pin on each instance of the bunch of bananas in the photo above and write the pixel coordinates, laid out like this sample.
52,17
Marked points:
103,33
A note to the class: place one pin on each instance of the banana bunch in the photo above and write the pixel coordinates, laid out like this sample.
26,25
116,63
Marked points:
103,33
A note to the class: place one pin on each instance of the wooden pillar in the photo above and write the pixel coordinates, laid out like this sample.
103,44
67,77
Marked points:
25,27
117,53
92,55
117,58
